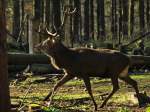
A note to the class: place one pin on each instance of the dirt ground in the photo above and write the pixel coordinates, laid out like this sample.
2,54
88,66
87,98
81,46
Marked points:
73,97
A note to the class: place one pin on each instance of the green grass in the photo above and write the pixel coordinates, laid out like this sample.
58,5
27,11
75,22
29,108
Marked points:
73,91
148,108
51,109
70,96
124,109
145,76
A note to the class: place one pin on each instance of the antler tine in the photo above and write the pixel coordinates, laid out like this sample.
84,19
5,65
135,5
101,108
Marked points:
54,27
68,12
74,11
39,27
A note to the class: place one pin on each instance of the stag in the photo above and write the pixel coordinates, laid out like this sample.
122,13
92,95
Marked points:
86,63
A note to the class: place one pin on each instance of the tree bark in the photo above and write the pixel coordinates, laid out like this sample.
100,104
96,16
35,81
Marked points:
4,84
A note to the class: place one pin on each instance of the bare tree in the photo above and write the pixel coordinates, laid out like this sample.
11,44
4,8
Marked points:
4,86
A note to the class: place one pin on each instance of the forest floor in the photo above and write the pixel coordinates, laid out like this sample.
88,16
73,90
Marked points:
72,97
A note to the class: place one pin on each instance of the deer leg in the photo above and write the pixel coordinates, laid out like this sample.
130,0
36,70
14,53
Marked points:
133,83
115,88
88,87
65,79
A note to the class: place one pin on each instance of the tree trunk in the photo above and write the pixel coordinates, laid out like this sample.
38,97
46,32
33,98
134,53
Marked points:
101,19
38,9
125,18
48,13
141,14
16,18
86,20
71,27
76,20
91,19
56,13
37,20
120,22
148,14
4,83
131,17
114,20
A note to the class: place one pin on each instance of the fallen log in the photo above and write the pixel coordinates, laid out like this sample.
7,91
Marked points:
139,60
16,68
26,59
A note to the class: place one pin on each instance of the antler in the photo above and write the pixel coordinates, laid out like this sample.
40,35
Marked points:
67,11
51,34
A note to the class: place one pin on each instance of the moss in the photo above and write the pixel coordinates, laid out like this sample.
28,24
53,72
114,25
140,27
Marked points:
70,96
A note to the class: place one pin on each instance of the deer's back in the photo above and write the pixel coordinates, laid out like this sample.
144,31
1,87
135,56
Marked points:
100,61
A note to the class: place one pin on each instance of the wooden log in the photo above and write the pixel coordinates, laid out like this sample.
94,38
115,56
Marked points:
25,59
16,68
139,60
44,68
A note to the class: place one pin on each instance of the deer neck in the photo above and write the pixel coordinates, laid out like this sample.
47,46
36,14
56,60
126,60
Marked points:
61,57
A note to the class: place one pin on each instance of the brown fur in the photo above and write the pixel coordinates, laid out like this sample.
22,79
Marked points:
85,63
